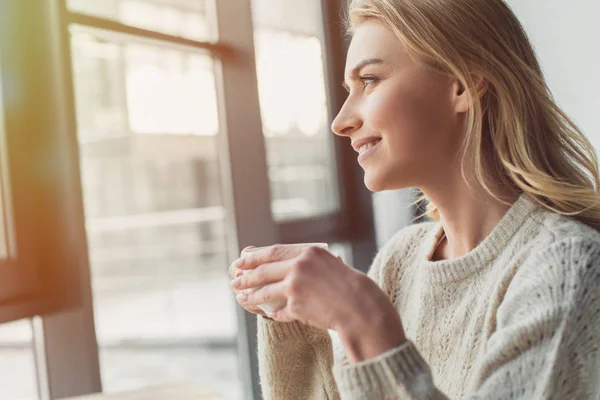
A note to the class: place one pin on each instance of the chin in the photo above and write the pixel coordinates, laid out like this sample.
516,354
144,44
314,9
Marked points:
380,182
375,184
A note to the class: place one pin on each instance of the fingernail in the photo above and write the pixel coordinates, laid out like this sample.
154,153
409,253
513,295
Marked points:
235,283
242,297
239,263
239,273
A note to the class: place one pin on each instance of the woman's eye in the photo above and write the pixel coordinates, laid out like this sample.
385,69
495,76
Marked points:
368,81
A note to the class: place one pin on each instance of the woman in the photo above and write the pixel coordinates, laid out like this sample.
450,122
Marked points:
498,297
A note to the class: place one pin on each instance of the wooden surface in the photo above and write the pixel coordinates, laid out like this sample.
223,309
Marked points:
185,391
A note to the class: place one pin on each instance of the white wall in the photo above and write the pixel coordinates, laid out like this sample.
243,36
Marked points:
392,212
566,36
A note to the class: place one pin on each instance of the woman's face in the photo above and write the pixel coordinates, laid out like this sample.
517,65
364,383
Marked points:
414,114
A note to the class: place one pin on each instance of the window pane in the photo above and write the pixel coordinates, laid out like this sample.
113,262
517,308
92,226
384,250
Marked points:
292,90
17,361
148,129
184,18
343,250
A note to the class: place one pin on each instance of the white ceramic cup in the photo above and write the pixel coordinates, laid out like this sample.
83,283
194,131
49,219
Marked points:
275,305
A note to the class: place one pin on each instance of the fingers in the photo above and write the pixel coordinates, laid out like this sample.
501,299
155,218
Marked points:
267,294
262,275
267,269
250,308
277,252
234,268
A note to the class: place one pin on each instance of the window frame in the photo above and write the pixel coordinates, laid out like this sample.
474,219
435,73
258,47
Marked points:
43,269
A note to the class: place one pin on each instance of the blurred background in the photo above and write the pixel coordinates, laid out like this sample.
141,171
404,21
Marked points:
161,216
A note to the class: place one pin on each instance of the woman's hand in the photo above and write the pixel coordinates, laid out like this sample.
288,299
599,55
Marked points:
317,288
234,273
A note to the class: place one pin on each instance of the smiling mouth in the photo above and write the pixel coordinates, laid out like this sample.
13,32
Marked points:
366,147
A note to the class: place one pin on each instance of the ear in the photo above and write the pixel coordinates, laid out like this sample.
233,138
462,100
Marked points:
460,95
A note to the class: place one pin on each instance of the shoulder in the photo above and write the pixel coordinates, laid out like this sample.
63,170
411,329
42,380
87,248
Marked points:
552,235
559,268
558,226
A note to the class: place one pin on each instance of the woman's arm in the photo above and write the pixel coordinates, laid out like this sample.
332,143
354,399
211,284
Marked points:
545,345
296,360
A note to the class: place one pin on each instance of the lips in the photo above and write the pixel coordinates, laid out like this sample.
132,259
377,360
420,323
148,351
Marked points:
367,151
365,147
358,143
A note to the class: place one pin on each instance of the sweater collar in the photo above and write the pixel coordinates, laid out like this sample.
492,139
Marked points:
461,267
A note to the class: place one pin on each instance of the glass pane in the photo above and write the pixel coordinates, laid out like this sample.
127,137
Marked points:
148,128
291,82
17,361
343,250
184,18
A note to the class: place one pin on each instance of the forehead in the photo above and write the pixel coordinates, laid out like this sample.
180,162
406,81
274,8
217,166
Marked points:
373,40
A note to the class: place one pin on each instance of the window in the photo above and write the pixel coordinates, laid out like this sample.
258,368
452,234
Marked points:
164,141
17,361
148,128
291,74
18,267
34,271
183,18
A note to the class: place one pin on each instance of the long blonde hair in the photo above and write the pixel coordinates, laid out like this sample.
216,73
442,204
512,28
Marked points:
530,144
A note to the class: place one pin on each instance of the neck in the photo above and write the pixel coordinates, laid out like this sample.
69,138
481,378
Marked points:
467,218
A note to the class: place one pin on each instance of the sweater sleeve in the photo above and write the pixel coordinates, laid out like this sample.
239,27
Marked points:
296,360
545,345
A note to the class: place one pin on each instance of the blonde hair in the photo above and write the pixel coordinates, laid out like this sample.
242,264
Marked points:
530,145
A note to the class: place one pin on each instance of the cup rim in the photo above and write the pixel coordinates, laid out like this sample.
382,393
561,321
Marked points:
322,245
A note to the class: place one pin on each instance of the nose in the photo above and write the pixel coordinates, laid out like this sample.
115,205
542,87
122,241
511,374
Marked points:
346,122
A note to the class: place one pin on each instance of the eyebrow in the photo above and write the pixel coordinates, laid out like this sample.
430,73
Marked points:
356,70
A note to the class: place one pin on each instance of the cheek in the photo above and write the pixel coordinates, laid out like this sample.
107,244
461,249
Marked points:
414,119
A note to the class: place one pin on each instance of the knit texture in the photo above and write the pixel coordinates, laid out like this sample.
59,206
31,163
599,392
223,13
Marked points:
518,317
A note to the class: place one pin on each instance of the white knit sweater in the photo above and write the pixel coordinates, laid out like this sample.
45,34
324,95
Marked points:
518,317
